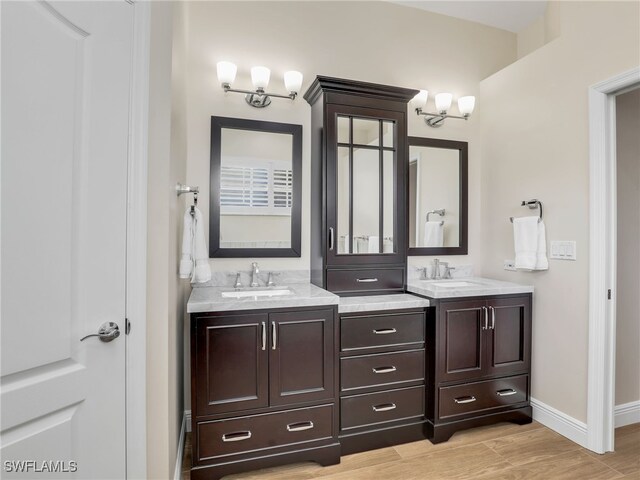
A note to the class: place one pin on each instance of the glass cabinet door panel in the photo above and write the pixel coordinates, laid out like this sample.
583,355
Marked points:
343,200
388,134
366,132
343,129
366,200
388,197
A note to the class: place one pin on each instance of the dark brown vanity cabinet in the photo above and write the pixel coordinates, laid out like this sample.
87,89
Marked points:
263,389
479,370
359,162
382,379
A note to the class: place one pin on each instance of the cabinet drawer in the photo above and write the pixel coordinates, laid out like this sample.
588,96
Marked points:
487,395
365,280
382,369
221,438
388,406
371,331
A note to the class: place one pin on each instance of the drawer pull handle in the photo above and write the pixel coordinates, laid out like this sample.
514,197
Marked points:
506,392
384,369
236,436
366,280
384,331
300,426
465,399
385,407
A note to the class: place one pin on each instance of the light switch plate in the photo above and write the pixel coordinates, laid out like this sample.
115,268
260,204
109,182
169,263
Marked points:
563,250
510,265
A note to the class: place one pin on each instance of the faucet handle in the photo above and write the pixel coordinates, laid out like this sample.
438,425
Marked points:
238,283
270,281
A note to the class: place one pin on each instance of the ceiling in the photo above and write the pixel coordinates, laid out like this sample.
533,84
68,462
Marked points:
507,15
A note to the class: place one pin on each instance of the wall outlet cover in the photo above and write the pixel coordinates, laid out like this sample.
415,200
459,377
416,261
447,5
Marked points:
510,265
563,250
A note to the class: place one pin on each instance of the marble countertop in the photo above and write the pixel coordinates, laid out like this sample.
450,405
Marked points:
465,287
210,298
380,302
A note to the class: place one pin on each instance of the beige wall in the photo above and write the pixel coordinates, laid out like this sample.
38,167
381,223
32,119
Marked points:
166,295
534,119
628,274
371,41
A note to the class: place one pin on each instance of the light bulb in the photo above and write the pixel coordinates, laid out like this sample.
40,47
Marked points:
260,77
226,72
420,100
443,102
293,81
466,105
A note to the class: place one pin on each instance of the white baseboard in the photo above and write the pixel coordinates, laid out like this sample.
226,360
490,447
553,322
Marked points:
627,413
187,417
560,422
177,474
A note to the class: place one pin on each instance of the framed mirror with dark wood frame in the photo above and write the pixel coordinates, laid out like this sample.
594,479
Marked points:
255,190
438,197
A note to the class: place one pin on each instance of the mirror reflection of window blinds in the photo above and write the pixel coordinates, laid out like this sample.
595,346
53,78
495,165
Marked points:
256,190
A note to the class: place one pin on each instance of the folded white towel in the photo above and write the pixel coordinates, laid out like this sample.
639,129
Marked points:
529,237
434,234
374,244
345,247
387,246
194,263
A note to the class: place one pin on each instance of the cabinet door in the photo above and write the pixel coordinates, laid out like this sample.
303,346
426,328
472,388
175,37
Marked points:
232,371
302,350
461,328
366,159
509,335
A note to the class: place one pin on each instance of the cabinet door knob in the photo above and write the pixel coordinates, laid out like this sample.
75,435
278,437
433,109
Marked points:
236,436
384,369
462,400
300,426
385,407
384,331
506,392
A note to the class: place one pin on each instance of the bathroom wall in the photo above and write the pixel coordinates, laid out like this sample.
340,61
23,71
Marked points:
369,41
628,274
166,294
535,144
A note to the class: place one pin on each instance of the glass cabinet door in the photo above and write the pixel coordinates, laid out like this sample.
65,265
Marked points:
363,174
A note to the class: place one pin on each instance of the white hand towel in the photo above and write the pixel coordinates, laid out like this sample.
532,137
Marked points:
387,246
195,256
529,239
434,234
374,244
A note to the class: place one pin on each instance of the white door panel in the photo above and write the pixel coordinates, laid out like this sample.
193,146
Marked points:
66,69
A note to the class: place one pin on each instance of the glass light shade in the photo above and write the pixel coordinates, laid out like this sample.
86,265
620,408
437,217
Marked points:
293,81
466,105
443,101
260,77
226,72
420,100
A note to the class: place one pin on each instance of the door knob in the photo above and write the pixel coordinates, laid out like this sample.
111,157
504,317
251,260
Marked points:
108,331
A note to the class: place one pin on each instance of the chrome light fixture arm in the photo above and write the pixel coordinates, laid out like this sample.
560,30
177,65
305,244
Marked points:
436,120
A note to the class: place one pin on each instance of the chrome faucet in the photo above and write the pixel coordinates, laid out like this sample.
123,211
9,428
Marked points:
435,273
447,270
254,274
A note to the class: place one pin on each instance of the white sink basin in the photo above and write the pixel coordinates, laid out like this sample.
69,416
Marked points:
257,293
454,284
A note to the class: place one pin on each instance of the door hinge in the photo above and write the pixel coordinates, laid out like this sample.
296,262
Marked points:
127,327
609,294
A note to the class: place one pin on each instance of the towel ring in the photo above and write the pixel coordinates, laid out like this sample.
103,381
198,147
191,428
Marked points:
531,204
440,212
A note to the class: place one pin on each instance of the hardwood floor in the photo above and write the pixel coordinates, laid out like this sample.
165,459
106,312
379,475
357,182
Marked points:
503,452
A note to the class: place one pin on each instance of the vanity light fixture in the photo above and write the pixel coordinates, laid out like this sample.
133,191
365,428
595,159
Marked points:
443,103
260,76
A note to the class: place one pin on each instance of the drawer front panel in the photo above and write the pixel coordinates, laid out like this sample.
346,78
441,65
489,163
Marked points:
382,369
478,396
365,280
373,331
388,406
237,435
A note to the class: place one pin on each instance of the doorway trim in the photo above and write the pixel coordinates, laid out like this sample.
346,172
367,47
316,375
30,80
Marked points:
136,268
602,259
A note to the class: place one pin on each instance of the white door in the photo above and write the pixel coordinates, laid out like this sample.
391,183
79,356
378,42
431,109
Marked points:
66,69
